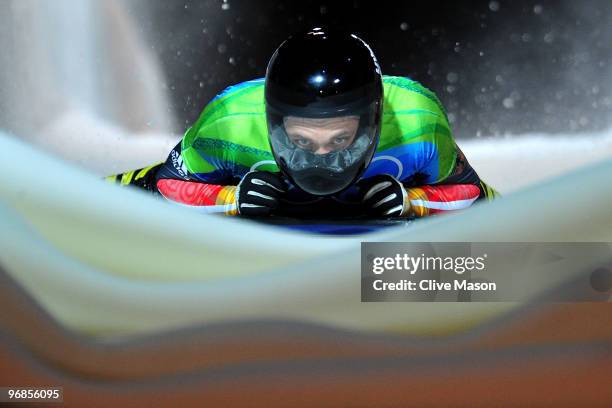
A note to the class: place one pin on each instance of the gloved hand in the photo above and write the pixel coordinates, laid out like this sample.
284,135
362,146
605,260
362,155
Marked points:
259,192
383,196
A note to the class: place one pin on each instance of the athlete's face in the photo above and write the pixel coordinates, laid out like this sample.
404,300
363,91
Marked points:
322,136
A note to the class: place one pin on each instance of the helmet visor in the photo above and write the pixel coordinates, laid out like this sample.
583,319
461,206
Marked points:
324,156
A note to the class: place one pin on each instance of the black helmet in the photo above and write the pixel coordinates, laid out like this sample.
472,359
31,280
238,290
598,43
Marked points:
322,74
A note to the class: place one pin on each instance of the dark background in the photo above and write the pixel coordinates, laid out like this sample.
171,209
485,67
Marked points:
499,67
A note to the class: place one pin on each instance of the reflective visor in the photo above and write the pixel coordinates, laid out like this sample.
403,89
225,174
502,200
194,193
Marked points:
313,158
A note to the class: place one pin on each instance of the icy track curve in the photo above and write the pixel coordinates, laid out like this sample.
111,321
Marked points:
109,261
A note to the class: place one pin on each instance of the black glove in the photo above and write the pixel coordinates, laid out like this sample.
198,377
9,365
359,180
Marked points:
383,196
259,192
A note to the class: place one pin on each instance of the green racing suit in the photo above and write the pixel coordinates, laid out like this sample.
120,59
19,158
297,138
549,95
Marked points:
230,138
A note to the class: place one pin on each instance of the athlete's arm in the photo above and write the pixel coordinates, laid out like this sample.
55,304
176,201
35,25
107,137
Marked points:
142,178
173,181
210,198
258,192
464,173
384,196
445,164
177,184
428,200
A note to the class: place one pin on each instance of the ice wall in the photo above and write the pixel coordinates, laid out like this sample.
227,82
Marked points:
517,161
77,79
115,261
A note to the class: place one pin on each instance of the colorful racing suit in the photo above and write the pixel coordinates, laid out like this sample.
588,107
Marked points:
230,139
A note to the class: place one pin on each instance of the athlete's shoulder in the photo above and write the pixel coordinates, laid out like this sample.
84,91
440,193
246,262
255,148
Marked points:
245,96
230,135
407,84
402,93
243,103
242,88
